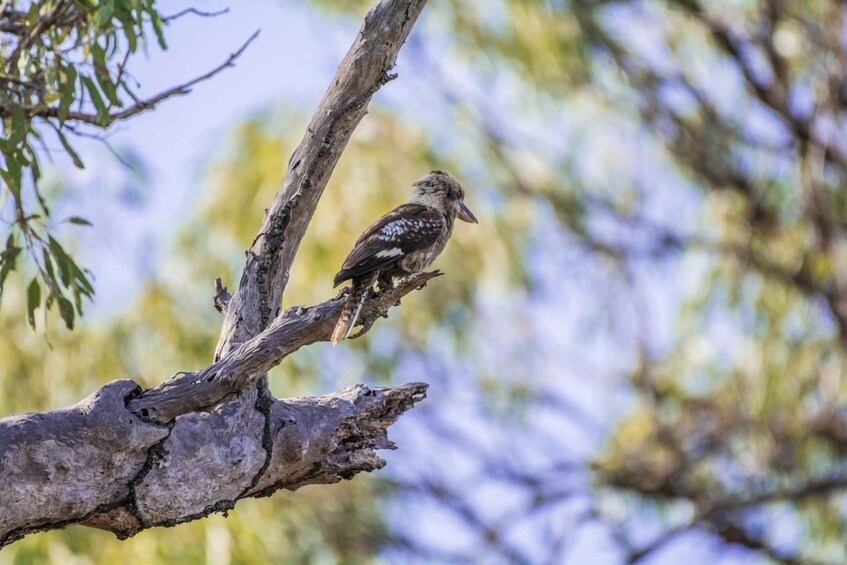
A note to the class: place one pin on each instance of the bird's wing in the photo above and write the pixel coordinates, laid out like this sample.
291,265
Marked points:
407,228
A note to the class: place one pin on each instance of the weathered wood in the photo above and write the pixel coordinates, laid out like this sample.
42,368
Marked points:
124,459
295,328
99,465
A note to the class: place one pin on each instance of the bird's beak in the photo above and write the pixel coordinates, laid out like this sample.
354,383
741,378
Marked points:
466,215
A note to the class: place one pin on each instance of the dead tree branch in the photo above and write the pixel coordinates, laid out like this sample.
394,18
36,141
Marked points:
99,465
235,373
124,460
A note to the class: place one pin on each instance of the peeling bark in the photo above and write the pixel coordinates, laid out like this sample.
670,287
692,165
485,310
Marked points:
124,459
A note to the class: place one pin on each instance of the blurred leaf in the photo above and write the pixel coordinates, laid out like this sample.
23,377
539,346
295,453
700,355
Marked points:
69,148
104,13
68,91
97,99
156,20
18,125
66,310
102,74
8,258
79,221
63,261
33,300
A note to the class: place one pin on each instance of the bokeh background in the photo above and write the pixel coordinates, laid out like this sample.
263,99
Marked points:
636,356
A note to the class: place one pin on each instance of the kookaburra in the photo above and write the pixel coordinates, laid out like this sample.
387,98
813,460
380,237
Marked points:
402,242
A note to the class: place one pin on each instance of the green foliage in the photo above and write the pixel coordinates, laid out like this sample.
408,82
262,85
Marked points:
63,71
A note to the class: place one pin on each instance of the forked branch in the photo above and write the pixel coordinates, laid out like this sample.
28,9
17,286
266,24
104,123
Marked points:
125,460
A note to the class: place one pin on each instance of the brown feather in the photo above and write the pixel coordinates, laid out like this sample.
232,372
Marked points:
415,227
352,307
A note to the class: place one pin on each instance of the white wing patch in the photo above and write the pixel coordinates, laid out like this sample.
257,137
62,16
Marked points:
395,228
393,252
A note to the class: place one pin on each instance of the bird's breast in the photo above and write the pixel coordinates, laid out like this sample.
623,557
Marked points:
417,261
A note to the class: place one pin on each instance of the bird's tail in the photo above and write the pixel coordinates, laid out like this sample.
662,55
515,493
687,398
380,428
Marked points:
352,307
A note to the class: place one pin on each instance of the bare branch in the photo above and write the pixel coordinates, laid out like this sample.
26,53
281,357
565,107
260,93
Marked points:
295,328
222,296
195,12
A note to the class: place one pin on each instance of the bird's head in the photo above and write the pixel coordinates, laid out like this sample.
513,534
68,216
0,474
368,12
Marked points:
443,192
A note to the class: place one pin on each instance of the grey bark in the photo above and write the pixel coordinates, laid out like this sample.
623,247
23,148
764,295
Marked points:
296,327
125,460
99,465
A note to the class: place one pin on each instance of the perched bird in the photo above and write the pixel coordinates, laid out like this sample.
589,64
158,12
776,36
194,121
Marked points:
402,242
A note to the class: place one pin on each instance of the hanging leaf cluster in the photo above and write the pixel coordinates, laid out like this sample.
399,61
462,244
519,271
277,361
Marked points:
64,73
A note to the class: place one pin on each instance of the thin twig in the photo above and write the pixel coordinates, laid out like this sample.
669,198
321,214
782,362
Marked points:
142,105
195,12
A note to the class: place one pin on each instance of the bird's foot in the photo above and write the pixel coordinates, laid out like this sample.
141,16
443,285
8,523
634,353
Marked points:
342,293
384,284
